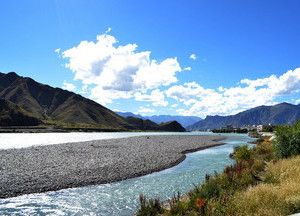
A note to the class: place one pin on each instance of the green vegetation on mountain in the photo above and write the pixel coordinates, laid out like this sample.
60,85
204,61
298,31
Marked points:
13,115
264,180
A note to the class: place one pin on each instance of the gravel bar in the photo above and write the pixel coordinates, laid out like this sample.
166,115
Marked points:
54,167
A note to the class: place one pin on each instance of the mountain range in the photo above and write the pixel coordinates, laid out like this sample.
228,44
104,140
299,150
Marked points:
146,124
25,102
283,113
183,120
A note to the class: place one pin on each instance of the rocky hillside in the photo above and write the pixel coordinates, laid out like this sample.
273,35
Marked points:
56,105
283,113
12,115
26,102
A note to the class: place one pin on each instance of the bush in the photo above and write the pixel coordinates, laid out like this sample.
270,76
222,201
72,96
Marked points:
242,153
210,189
149,207
287,142
177,207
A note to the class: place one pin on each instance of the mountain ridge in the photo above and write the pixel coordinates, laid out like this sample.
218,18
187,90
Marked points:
183,120
55,106
282,113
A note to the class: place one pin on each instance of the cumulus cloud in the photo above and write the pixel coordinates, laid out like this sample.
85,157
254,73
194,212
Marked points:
118,71
145,110
57,50
108,30
193,56
68,86
110,71
187,69
224,101
157,98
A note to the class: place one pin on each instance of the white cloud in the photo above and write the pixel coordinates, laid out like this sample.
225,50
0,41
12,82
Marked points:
118,71
84,89
224,101
145,110
109,71
108,30
68,86
118,110
187,69
157,98
57,50
295,101
193,56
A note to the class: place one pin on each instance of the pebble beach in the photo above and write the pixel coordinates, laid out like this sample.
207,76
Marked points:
54,167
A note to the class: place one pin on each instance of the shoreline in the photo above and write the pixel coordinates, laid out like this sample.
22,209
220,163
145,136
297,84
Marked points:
54,167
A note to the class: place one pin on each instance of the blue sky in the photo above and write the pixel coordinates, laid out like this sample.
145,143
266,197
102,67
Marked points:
243,49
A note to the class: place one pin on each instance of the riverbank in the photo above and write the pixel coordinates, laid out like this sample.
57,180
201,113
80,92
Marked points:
54,167
263,181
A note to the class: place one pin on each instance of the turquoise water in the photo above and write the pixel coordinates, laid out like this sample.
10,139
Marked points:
121,198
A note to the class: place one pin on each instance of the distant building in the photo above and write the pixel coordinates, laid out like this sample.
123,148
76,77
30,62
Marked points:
259,128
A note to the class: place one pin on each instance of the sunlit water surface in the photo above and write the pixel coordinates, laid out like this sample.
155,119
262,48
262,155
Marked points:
23,140
121,198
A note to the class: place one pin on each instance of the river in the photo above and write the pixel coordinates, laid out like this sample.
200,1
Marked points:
119,198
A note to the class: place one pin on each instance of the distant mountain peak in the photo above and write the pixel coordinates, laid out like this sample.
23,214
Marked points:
40,103
282,113
12,73
183,120
55,105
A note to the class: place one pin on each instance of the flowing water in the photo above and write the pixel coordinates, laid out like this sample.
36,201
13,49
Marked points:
121,198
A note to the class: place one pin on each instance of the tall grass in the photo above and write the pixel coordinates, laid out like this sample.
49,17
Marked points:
280,195
265,180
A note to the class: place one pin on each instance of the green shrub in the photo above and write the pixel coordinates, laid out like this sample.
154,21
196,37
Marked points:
242,153
210,189
287,142
177,207
149,207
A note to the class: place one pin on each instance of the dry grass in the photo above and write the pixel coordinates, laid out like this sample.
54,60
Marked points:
258,184
281,196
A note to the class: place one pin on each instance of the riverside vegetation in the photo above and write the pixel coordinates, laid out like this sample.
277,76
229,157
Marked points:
264,180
